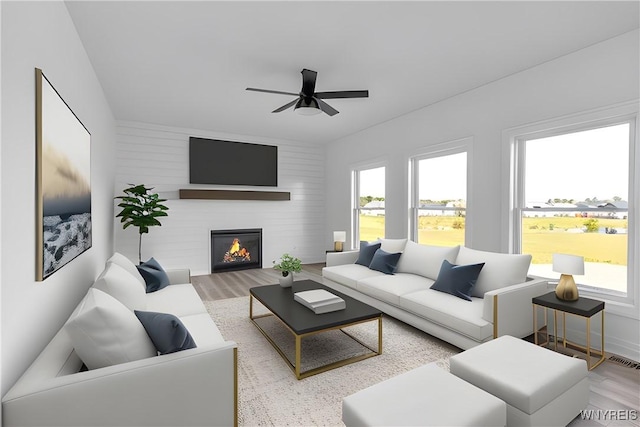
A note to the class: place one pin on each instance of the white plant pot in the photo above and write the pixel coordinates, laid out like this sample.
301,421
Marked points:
286,281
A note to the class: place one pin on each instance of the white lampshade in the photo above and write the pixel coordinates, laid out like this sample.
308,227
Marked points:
568,264
339,236
308,111
307,106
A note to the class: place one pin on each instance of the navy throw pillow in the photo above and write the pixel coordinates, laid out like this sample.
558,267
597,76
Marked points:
153,274
367,250
457,280
166,331
385,262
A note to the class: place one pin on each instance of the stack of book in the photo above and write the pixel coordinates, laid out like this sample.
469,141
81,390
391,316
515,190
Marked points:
320,301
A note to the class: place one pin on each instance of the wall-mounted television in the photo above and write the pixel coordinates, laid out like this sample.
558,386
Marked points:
213,161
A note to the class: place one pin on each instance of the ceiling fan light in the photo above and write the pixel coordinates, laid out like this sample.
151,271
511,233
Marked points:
308,111
307,107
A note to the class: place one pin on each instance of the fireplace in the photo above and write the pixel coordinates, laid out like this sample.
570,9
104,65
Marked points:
236,249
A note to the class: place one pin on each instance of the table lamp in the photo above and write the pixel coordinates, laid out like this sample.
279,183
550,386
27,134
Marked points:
339,237
567,265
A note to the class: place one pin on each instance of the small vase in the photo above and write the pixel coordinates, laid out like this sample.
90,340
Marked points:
286,281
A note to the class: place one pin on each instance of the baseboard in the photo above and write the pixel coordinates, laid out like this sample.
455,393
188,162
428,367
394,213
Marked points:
612,345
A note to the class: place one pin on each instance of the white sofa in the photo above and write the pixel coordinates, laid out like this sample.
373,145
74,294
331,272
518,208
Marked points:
500,303
193,387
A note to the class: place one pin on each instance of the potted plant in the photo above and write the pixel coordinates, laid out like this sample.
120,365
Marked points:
141,208
287,266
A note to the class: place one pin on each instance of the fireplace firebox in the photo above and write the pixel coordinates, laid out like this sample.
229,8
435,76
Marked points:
236,249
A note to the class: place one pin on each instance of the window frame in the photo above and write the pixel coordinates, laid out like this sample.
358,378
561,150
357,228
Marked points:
514,174
443,149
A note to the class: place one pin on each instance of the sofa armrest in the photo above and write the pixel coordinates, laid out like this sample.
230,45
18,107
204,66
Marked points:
178,276
341,258
188,388
509,309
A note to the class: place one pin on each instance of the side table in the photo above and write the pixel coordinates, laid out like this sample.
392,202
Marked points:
583,307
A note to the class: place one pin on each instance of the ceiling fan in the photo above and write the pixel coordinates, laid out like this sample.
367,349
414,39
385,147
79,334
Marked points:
308,101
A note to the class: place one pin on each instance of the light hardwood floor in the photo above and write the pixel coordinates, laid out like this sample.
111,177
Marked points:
615,388
233,284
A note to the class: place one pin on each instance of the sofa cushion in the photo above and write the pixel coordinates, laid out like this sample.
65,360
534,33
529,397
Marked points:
349,274
389,288
425,260
367,250
104,332
526,376
450,312
499,270
425,396
153,274
166,331
385,262
392,245
179,300
121,285
457,280
124,262
203,329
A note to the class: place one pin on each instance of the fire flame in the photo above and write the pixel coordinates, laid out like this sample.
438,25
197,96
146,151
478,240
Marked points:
237,253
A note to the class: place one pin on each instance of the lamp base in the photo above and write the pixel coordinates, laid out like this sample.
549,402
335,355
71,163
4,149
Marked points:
567,289
337,246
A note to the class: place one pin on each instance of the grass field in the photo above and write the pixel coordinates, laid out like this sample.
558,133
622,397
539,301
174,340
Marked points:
541,236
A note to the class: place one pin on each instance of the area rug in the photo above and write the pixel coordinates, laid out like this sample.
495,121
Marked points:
269,393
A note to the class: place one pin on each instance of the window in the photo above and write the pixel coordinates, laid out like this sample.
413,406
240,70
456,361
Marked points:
369,194
439,197
573,194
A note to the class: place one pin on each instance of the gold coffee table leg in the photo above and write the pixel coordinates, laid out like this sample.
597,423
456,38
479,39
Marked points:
298,355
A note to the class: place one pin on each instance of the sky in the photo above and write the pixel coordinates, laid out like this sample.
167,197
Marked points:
372,182
572,166
593,163
64,132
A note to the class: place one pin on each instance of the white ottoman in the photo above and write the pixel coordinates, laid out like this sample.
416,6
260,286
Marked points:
541,387
425,396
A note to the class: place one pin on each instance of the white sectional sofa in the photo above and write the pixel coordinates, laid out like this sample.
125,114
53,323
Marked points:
500,300
192,387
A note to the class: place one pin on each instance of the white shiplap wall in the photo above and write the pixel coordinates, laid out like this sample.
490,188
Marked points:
158,156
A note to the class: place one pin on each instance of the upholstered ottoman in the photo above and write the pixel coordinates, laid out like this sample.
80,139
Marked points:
425,396
540,387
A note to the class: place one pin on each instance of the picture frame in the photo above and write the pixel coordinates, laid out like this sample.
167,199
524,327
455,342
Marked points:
63,181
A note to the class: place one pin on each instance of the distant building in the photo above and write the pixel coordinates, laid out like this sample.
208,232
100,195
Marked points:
374,205
548,205
580,209
620,204
429,209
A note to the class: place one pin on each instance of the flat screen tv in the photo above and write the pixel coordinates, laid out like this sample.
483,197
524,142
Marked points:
212,161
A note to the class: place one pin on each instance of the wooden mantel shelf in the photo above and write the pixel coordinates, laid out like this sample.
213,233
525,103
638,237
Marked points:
233,194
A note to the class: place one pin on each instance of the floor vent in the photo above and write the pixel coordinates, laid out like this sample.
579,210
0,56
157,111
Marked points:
625,362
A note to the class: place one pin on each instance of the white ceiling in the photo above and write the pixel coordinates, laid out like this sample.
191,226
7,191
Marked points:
187,64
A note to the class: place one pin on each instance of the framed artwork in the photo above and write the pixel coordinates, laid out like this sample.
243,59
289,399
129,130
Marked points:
63,181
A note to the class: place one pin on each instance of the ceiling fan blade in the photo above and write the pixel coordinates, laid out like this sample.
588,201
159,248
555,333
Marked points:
327,108
285,106
308,83
343,94
272,91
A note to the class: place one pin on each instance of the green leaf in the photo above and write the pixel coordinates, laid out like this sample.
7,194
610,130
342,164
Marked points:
140,208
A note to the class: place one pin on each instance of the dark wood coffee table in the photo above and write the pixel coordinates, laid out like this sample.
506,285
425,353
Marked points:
302,322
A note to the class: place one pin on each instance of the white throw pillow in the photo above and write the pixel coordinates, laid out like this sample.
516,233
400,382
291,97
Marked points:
499,270
392,246
118,283
124,262
425,260
104,332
